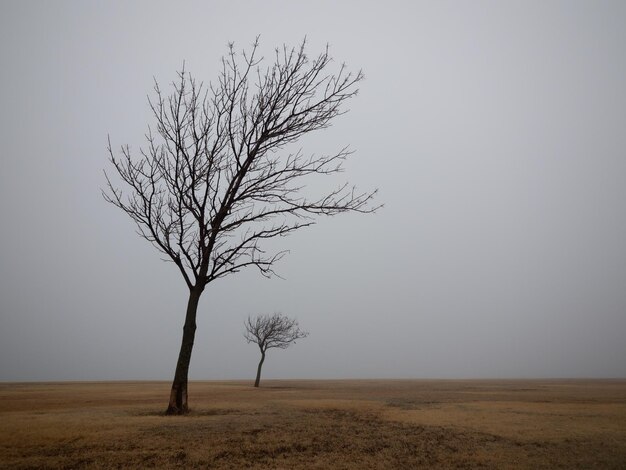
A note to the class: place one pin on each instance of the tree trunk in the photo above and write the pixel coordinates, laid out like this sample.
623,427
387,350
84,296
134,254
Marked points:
258,371
178,396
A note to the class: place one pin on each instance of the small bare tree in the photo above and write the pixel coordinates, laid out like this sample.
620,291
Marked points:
271,331
216,178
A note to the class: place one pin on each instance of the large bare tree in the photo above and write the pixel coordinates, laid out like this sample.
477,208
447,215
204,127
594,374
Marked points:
218,175
271,331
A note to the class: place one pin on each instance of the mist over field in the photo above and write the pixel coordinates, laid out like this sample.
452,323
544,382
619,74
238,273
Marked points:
495,132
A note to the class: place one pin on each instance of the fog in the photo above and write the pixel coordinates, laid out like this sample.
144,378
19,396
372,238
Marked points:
495,132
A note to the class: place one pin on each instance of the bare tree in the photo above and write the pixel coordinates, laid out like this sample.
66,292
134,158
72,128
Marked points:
271,331
216,177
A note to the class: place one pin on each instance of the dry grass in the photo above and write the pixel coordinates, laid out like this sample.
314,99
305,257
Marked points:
317,424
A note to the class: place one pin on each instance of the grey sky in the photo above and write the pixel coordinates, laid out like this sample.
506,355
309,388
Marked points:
496,132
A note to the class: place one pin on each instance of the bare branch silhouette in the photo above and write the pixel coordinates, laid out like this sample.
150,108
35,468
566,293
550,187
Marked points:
215,179
271,331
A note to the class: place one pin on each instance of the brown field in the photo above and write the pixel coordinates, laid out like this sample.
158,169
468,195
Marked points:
317,424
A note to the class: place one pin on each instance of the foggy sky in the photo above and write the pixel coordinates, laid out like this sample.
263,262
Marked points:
495,131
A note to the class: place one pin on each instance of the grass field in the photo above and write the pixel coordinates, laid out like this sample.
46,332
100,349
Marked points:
317,424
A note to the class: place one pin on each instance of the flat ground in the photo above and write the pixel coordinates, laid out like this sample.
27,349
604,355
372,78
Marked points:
317,424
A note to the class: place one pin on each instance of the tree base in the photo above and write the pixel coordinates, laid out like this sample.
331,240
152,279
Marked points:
174,411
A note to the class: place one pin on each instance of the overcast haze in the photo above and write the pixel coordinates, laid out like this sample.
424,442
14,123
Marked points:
495,131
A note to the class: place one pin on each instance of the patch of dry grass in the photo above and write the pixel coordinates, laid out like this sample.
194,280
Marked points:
317,424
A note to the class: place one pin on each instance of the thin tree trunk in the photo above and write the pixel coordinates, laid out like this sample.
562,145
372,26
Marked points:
178,397
258,371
